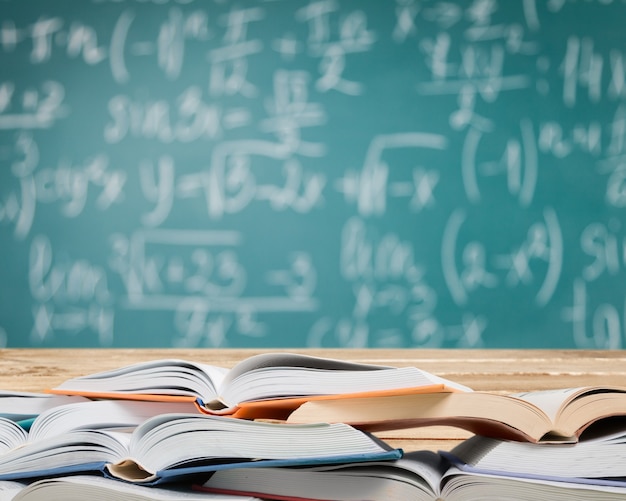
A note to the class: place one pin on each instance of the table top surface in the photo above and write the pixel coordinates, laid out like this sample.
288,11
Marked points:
501,371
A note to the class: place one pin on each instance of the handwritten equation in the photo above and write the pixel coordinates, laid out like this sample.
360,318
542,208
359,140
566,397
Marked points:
323,173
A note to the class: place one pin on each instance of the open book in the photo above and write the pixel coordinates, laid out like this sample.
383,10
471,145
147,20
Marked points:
418,476
169,447
260,377
94,488
541,416
599,458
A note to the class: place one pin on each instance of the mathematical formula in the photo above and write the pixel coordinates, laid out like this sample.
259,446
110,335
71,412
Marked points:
326,173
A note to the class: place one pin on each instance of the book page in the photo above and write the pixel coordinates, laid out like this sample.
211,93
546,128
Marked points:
19,406
287,360
100,414
550,401
156,377
12,435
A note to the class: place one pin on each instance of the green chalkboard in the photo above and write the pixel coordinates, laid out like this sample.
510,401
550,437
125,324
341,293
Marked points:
332,173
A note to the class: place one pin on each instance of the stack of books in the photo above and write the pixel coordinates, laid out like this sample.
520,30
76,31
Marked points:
294,427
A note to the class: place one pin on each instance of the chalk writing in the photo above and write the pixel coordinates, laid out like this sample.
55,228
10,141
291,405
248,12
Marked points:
329,173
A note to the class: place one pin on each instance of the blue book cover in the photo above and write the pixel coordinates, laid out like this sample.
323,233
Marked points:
200,471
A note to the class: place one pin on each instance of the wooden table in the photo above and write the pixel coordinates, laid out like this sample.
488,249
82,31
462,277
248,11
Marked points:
490,370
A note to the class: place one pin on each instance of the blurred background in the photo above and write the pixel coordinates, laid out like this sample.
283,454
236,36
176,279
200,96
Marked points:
333,173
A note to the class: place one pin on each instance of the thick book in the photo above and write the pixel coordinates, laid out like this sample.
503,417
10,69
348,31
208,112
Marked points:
418,476
268,376
542,416
169,447
94,488
598,459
